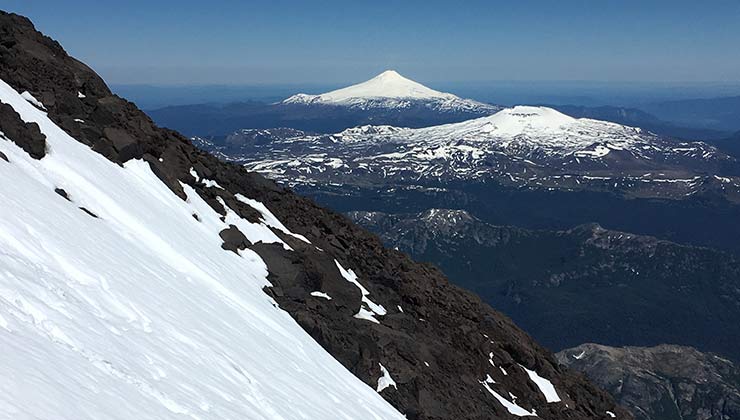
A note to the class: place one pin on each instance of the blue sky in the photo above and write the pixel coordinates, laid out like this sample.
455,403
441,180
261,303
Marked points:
278,41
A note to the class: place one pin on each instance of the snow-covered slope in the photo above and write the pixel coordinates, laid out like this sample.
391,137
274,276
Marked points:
391,90
138,313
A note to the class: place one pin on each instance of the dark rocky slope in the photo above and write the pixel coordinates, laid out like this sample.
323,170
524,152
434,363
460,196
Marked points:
606,286
438,341
664,382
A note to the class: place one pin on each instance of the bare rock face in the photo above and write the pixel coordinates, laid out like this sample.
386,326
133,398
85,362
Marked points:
28,136
665,382
446,350
233,239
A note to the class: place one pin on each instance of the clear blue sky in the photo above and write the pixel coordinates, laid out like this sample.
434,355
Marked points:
278,41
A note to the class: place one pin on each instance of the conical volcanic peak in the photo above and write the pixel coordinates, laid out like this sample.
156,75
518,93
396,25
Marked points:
391,90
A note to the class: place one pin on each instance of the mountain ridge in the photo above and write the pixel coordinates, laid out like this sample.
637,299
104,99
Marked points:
587,277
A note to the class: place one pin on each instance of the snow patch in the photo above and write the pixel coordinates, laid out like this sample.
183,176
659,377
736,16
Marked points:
207,182
366,315
269,218
35,102
372,307
321,295
511,407
211,184
598,152
255,232
545,386
385,379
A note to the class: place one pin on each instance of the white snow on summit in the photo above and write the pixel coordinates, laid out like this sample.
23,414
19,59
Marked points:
388,84
527,126
138,313
390,90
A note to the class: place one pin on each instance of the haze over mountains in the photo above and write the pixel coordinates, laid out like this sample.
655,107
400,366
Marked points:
377,102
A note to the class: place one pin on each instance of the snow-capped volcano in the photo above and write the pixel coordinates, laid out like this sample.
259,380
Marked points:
388,84
391,90
388,98
526,132
527,126
523,145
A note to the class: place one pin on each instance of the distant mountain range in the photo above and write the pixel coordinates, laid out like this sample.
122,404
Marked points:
635,117
532,147
710,113
607,286
688,119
